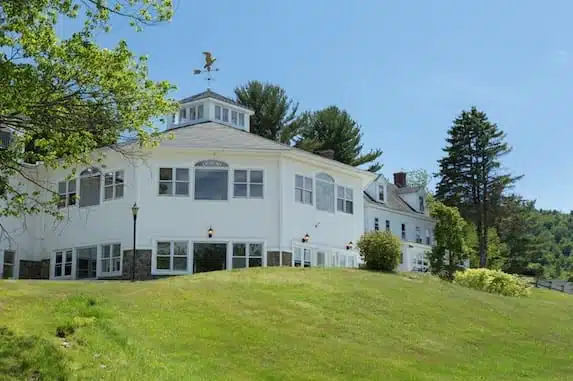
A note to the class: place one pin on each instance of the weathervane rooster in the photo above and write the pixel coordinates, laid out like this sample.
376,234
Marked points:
208,67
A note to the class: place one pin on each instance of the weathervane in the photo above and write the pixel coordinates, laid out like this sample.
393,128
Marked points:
207,68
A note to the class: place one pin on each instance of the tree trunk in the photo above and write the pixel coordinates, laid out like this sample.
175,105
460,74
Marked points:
481,244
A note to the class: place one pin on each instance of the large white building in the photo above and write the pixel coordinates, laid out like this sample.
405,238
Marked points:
213,197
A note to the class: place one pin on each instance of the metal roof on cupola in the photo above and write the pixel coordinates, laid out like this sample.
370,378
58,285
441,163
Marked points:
209,106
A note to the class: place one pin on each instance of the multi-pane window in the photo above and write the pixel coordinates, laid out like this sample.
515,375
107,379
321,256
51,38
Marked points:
302,257
172,256
303,189
376,224
225,114
192,113
200,112
218,112
86,262
113,185
63,263
183,114
381,193
234,117
387,225
241,119
111,259
324,192
247,183
67,193
247,255
211,180
90,187
404,232
418,235
344,200
8,264
174,181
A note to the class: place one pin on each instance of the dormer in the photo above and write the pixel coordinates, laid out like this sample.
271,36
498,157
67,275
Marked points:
378,189
209,106
415,196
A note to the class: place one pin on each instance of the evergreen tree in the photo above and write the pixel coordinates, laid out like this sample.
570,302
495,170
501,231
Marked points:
470,176
275,112
334,129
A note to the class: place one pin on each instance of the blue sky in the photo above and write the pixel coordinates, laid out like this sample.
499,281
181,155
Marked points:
402,69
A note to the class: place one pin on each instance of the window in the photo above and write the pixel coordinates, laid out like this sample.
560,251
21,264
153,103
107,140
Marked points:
341,260
199,112
303,189
376,225
324,192
428,237
241,119
387,225
247,183
5,138
234,117
67,192
421,203
247,255
381,193
211,180
172,256
218,112
113,185
90,187
63,263
344,200
192,113
173,118
183,114
86,262
171,183
404,232
225,115
301,257
111,259
418,235
8,264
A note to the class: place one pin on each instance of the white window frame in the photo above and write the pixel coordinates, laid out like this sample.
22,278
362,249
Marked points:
172,255
182,114
225,116
304,189
305,255
85,175
192,113
241,119
381,191
72,262
111,258
210,165
200,111
12,265
218,112
346,197
115,184
174,182
327,182
68,193
247,255
234,117
248,183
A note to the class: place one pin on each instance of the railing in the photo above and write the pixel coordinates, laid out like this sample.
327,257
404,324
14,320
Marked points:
557,285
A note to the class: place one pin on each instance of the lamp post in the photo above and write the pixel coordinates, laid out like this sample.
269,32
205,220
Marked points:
134,210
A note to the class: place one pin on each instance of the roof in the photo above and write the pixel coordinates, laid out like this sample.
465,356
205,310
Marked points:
394,201
407,190
211,94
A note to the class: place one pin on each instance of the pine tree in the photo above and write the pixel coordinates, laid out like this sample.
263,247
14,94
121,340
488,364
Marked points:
470,176
333,129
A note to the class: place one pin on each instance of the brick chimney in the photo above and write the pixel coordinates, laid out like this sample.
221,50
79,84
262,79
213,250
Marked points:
327,153
400,179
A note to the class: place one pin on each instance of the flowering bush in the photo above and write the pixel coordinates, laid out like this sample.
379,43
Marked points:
492,281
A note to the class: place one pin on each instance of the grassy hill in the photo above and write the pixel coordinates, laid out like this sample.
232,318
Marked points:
281,324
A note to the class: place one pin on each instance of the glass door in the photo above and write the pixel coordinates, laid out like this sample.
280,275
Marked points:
86,262
8,264
209,257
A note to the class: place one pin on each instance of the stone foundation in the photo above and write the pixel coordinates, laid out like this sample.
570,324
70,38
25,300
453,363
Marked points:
34,269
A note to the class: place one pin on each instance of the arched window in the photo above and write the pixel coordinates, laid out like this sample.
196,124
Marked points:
211,180
325,192
90,187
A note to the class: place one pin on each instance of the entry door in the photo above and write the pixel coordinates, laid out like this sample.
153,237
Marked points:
86,262
209,257
8,264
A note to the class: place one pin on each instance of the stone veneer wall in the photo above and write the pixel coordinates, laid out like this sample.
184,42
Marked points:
34,269
273,258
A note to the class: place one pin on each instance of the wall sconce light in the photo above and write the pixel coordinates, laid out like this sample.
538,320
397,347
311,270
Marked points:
349,245
305,238
210,232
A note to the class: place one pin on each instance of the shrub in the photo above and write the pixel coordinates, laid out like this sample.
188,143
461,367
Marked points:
380,250
492,281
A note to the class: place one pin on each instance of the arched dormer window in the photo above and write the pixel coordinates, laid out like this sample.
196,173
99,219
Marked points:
325,192
211,180
90,187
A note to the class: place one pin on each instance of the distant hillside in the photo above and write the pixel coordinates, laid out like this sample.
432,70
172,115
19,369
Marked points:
281,324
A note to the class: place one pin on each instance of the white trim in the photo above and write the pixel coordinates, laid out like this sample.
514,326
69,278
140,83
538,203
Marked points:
391,210
64,253
100,272
15,264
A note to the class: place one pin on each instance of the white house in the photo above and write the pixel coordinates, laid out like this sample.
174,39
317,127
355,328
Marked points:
214,197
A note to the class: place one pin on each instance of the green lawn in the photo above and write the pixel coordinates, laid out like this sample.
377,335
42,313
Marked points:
282,324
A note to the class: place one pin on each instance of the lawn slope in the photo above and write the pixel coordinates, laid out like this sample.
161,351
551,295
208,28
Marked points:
281,324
